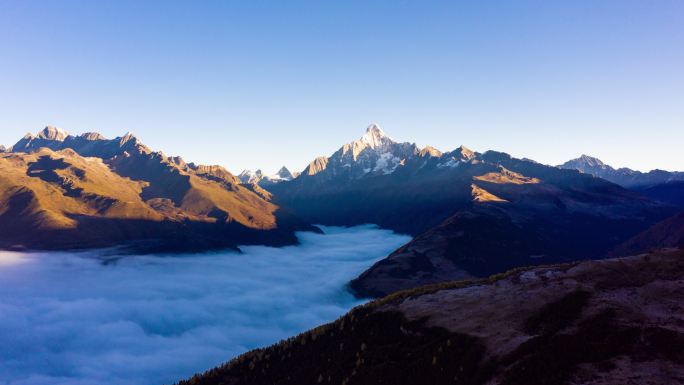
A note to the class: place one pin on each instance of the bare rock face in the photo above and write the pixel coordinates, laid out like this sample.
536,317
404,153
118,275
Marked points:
317,165
618,321
53,133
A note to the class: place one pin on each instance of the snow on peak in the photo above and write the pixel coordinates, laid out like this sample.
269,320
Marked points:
375,137
249,173
53,133
250,177
258,177
387,163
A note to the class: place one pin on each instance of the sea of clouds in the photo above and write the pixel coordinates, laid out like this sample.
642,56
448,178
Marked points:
82,318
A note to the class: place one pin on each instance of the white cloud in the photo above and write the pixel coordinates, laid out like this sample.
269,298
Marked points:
72,319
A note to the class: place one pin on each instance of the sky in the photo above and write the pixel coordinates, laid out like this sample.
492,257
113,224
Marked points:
69,319
261,84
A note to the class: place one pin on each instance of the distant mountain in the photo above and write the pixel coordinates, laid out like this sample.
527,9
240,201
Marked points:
61,191
89,144
250,177
623,176
615,321
472,214
259,178
2,148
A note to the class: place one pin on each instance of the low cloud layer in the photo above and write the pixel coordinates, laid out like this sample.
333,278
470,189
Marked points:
72,319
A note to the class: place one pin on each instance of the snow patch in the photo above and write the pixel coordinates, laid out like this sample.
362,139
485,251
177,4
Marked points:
451,163
387,163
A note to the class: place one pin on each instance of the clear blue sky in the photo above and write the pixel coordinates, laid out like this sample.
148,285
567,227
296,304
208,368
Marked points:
263,83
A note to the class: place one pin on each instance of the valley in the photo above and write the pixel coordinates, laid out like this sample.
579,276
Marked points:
94,317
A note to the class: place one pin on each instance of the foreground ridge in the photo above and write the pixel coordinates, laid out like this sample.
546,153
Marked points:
598,322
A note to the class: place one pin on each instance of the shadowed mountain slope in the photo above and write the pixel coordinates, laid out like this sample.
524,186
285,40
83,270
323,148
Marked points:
594,322
665,234
669,192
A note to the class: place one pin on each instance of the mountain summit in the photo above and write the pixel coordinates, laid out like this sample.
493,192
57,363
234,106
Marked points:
285,174
52,133
375,137
373,153
585,162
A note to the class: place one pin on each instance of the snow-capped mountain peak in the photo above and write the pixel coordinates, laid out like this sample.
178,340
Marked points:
373,153
375,137
250,177
258,177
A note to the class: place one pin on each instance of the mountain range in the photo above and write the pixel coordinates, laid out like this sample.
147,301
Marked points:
60,191
659,185
471,214
259,178
625,177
